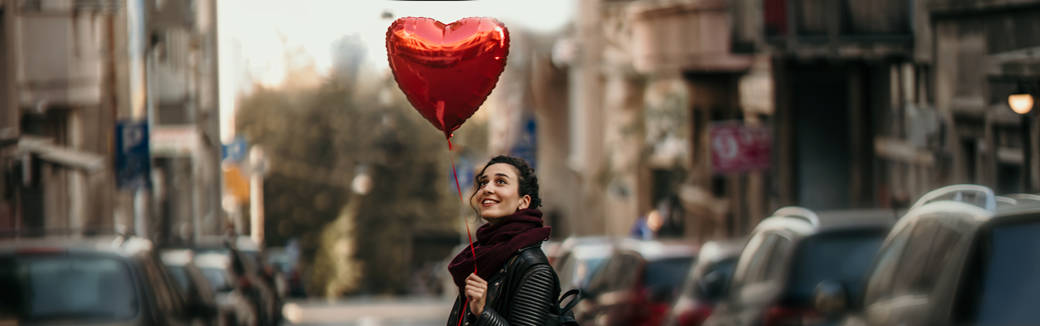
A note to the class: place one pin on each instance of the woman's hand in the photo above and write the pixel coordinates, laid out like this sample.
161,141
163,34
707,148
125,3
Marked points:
476,288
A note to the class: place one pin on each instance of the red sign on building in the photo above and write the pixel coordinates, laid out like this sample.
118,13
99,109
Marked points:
737,148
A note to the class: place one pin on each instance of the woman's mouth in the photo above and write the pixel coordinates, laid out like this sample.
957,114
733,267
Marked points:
488,202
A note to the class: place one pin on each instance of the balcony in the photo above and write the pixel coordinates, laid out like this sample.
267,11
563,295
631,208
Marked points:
60,55
688,35
839,28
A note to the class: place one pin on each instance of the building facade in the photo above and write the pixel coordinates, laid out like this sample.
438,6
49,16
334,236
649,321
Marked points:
79,76
867,105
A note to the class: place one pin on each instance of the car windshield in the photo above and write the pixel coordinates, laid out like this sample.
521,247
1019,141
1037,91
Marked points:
49,287
180,275
661,276
217,278
1008,286
844,257
718,274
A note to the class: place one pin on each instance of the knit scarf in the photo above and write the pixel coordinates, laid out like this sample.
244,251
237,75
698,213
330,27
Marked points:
496,242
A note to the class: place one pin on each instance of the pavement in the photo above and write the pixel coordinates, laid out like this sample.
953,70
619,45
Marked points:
369,312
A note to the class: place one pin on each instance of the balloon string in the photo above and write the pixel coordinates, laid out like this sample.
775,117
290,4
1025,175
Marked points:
469,235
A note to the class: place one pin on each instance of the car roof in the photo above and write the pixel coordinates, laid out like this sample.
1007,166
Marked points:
212,260
654,250
176,256
241,243
721,249
982,205
1023,207
111,244
804,221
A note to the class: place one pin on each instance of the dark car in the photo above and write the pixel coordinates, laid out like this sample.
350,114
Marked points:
103,280
791,253
956,258
706,284
637,284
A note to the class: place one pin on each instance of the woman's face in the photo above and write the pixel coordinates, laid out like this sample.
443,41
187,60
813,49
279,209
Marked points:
498,192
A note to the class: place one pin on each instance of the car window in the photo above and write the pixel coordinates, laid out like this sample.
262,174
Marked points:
843,256
566,267
86,288
180,276
167,301
929,250
716,278
618,272
880,278
630,265
776,259
662,276
1007,283
200,284
751,255
217,277
764,263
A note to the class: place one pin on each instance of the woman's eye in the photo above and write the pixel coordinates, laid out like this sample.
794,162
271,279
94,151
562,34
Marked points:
501,182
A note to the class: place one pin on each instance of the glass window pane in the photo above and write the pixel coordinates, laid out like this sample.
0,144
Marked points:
95,288
1010,287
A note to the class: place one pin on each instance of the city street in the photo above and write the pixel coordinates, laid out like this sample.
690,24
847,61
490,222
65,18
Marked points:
368,312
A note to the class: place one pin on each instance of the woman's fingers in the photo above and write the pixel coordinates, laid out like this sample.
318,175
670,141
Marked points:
476,288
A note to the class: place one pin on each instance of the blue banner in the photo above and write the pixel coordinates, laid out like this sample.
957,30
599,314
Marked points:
133,161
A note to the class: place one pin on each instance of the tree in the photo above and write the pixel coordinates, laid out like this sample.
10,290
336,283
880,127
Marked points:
317,138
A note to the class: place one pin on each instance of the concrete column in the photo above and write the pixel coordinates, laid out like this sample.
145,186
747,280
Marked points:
623,126
586,158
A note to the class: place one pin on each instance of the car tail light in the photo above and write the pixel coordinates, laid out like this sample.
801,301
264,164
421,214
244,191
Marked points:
787,316
655,314
694,315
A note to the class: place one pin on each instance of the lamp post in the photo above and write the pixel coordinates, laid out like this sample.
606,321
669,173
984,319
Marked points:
1022,102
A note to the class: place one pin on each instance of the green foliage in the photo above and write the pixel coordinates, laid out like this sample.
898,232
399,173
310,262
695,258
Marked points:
316,141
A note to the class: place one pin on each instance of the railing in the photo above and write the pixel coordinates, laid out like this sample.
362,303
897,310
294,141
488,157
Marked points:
799,213
980,196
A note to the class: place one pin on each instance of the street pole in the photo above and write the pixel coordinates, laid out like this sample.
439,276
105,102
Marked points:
1027,153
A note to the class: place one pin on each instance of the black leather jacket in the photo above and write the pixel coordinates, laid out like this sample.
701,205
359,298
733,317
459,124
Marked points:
521,293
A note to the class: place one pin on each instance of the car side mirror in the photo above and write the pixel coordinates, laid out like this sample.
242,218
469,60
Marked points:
831,298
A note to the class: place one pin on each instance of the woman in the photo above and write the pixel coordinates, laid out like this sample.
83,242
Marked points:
513,285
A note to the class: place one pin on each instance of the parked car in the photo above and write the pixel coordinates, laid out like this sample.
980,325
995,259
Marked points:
243,260
199,295
232,298
97,280
289,277
956,258
791,253
579,258
707,282
637,284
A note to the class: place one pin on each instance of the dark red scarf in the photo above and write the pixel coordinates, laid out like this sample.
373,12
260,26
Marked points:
496,242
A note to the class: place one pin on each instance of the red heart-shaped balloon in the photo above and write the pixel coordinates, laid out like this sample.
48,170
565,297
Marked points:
447,71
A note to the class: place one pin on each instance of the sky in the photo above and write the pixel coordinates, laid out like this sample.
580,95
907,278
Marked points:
254,34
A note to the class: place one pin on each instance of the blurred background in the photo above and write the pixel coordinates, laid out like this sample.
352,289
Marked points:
261,151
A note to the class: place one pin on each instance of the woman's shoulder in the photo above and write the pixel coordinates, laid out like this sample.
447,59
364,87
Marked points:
531,256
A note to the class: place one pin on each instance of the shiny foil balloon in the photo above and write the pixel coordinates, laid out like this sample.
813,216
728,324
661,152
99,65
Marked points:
447,71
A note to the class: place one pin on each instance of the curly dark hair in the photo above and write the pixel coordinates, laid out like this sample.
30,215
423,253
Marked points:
528,181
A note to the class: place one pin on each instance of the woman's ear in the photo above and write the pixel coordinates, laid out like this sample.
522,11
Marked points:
525,202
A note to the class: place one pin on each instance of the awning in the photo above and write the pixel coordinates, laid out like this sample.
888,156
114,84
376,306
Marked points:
45,149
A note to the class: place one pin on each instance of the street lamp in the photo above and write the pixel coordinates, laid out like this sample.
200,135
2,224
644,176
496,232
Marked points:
1022,102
